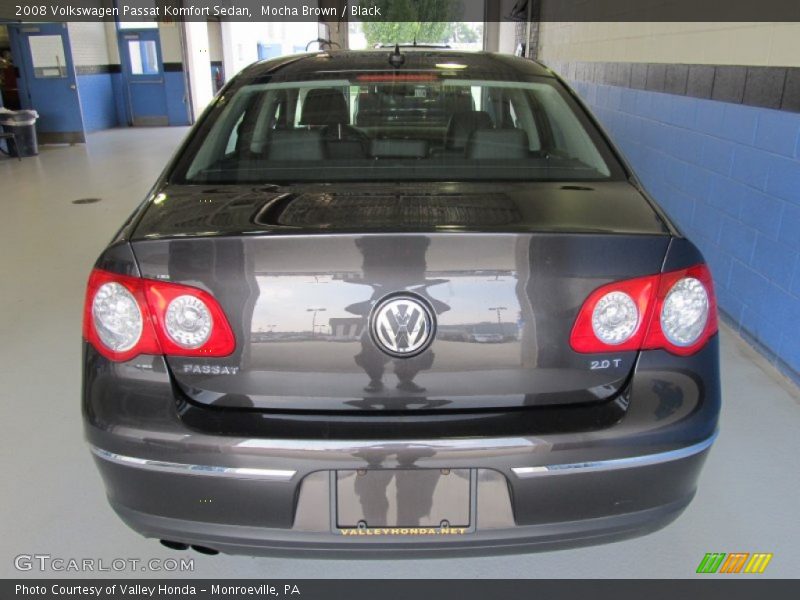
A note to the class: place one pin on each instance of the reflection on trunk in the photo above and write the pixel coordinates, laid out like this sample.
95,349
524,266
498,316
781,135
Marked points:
399,266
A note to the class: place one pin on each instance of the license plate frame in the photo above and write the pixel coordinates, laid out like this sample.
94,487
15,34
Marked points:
344,516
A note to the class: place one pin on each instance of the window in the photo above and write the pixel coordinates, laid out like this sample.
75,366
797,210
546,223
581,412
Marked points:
230,147
47,54
138,24
381,127
143,56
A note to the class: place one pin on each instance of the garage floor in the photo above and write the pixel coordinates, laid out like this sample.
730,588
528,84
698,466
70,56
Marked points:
53,501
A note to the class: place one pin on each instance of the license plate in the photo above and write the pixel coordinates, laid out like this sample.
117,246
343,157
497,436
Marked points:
370,499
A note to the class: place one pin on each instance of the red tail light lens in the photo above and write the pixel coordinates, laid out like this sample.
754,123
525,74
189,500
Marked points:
674,311
195,336
682,323
115,317
586,336
126,316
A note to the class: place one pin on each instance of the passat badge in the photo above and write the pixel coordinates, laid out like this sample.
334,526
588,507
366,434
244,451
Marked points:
209,369
402,326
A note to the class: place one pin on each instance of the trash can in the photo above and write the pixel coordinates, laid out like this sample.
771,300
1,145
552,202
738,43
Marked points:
22,123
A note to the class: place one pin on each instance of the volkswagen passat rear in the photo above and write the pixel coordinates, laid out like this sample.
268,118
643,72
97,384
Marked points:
407,306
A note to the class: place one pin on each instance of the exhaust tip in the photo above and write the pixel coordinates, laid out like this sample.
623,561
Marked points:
174,545
204,550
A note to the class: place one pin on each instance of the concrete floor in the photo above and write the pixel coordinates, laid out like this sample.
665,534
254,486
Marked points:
53,500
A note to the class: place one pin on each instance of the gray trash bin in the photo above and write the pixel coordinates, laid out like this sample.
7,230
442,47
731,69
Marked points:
22,123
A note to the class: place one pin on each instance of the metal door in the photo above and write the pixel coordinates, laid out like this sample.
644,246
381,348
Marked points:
47,82
144,77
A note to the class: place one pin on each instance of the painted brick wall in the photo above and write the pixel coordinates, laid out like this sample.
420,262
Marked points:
722,42
175,87
88,41
729,175
96,91
121,107
98,103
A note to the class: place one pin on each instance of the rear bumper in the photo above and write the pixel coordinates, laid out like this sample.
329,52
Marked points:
260,541
284,509
259,495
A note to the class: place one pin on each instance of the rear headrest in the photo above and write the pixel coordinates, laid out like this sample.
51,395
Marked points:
463,123
492,144
295,144
325,106
398,148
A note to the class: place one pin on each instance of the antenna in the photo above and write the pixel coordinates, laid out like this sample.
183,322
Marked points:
395,58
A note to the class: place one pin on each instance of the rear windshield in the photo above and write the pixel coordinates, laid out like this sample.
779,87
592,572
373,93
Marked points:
396,127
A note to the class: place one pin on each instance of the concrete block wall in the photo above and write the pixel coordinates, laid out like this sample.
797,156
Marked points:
174,75
720,43
88,41
98,101
94,76
728,174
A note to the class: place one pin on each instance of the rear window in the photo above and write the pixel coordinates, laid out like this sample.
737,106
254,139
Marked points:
396,127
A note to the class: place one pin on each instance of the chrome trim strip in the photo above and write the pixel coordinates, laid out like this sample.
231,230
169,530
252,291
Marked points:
188,469
516,444
615,463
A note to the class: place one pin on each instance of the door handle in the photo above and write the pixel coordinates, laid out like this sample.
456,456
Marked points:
72,86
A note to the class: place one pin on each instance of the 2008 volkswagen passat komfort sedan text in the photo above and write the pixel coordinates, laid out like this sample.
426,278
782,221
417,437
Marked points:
406,306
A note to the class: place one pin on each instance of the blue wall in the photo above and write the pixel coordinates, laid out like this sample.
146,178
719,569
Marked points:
177,106
104,105
98,101
729,175
121,106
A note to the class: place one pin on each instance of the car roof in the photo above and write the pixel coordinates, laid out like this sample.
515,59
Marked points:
331,64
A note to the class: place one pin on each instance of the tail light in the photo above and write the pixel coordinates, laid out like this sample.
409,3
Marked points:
684,311
126,316
674,311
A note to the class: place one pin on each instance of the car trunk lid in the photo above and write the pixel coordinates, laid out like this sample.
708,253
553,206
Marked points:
300,290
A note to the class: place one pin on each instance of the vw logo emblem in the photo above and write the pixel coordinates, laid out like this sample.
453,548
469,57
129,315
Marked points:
402,326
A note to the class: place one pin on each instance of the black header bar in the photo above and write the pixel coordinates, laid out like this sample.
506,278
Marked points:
169,11
727,587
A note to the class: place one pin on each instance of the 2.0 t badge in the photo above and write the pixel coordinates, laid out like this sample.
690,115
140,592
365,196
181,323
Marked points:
402,326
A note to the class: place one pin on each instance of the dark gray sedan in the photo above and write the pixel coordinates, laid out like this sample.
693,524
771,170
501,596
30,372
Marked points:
403,303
